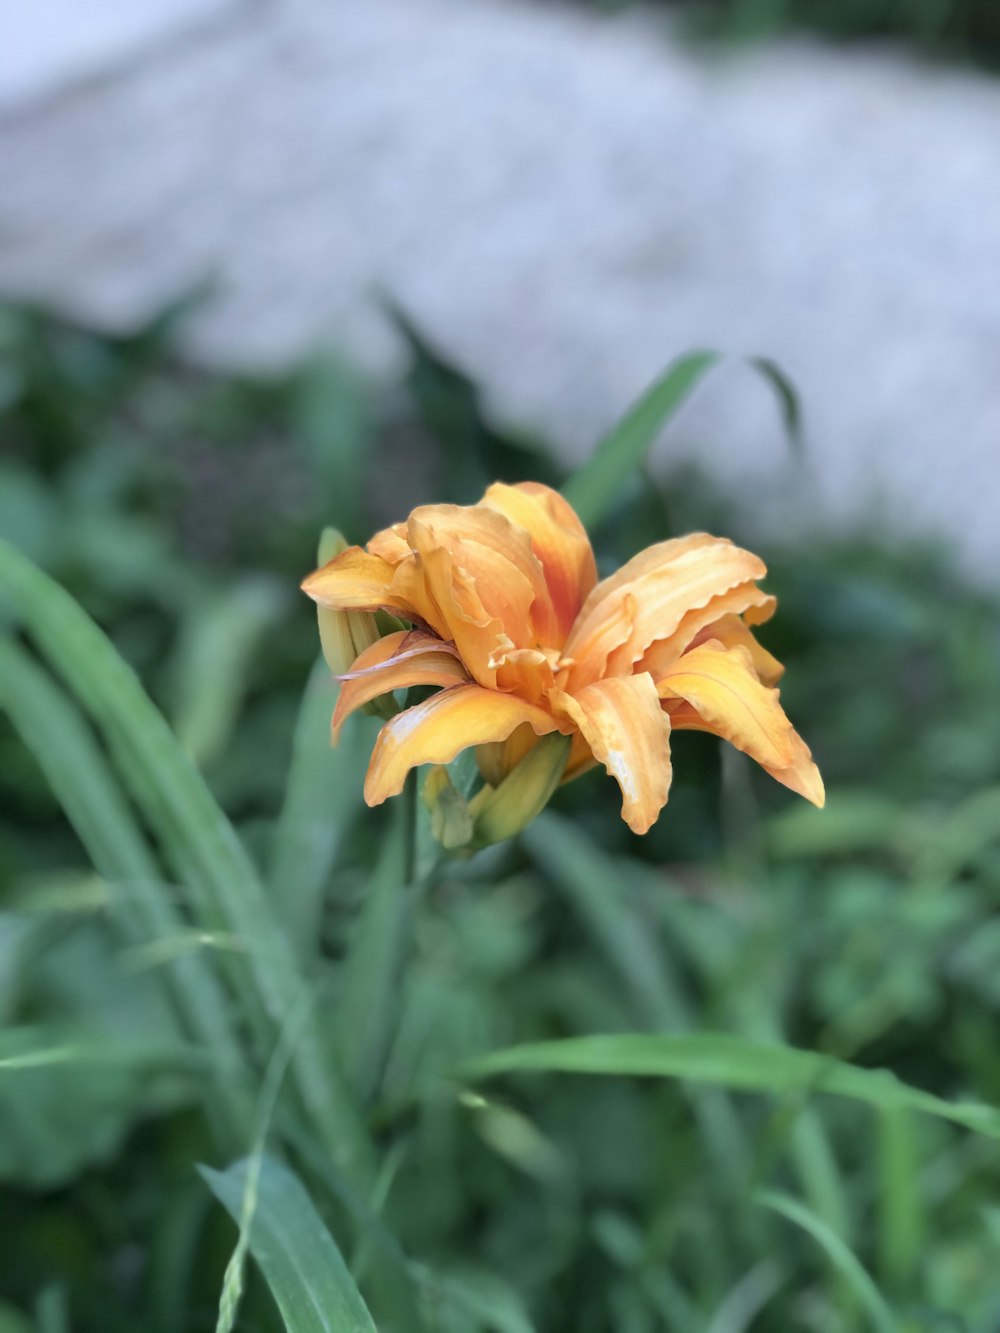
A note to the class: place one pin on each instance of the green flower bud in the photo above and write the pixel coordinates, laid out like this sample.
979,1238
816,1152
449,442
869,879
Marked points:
451,820
345,634
501,812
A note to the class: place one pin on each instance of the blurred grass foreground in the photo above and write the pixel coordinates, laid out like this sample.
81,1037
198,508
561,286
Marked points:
738,1074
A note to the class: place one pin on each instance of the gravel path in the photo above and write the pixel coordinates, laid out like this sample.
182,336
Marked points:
565,203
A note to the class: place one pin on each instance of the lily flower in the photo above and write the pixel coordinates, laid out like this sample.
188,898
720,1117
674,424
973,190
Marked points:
507,619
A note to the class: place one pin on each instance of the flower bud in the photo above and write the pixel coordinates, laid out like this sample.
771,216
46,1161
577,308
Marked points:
345,634
451,820
501,812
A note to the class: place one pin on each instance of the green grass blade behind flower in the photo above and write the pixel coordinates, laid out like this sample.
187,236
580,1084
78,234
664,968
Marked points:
788,402
592,883
323,790
301,1263
41,1046
902,1218
594,488
224,888
842,1259
735,1062
218,644
53,730
366,1010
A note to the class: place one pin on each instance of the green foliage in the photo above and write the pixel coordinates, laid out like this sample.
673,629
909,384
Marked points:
211,953
955,29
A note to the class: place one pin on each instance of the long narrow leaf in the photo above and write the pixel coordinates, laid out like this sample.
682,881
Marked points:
844,1262
224,887
371,969
304,1269
734,1062
324,786
77,771
593,490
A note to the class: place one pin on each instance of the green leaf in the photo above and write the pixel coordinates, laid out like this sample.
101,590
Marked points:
788,401
224,888
218,644
78,773
301,1263
715,1057
594,489
843,1260
367,1011
322,793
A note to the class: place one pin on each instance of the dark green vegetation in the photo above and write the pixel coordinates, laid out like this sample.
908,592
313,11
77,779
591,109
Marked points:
275,1024
950,29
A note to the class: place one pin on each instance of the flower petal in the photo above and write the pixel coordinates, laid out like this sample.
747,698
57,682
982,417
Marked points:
721,686
733,632
395,662
720,618
353,581
390,544
666,582
558,539
435,731
629,733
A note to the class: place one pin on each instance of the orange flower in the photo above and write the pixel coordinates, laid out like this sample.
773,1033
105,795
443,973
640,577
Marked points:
509,621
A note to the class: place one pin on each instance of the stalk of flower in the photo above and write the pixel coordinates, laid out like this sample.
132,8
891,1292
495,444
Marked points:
504,615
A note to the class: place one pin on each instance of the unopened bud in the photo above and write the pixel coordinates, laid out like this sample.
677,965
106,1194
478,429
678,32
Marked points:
451,819
345,634
501,812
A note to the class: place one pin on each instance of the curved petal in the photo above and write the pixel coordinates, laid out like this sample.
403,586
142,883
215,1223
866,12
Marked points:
390,544
687,576
353,581
722,688
395,662
435,731
718,618
629,733
498,557
558,539
733,632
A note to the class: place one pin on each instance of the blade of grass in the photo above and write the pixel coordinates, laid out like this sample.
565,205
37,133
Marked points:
232,1283
217,644
225,890
594,488
53,730
301,1263
843,1260
735,1062
324,787
589,880
367,1001
901,1219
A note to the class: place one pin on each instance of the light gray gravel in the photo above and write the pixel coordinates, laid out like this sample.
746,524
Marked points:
565,203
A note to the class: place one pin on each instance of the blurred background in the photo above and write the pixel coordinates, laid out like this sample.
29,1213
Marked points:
271,264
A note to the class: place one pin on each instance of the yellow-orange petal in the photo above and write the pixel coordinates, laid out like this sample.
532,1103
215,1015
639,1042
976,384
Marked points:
720,684
390,544
801,775
720,618
558,539
496,556
671,581
733,632
629,733
435,731
395,662
353,581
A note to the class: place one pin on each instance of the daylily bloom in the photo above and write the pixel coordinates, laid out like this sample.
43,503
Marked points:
509,622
